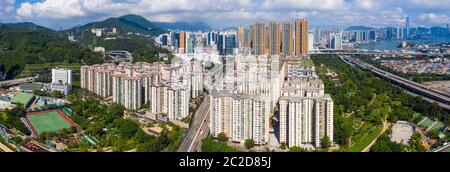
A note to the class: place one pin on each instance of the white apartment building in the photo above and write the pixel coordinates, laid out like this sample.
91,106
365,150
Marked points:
166,88
61,76
244,98
240,117
306,112
61,80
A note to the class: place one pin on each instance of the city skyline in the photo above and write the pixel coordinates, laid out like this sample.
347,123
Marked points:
57,14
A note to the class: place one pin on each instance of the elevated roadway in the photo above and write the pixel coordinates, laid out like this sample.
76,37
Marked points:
13,82
198,130
432,95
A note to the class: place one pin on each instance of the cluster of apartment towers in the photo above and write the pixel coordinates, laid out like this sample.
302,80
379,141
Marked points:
258,92
270,39
258,39
258,95
246,94
165,88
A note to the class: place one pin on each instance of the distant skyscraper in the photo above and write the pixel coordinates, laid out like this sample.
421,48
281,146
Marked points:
226,43
274,38
407,28
221,44
259,38
241,36
372,35
230,44
317,34
336,41
189,43
310,41
301,37
287,39
182,42
390,33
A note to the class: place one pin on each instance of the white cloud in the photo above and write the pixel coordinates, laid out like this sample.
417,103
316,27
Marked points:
366,4
303,4
228,12
6,6
434,18
55,9
428,4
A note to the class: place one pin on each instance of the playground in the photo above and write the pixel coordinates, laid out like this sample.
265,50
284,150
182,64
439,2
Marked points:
48,121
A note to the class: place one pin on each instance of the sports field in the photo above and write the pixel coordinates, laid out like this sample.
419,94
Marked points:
49,121
438,127
426,123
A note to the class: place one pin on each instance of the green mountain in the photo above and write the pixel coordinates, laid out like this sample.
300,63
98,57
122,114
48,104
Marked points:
141,45
122,40
20,45
27,26
139,20
124,25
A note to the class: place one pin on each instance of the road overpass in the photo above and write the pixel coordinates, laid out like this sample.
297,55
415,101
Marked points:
374,53
432,95
198,130
119,56
9,83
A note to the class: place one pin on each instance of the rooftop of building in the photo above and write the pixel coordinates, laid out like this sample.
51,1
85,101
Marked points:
22,98
32,86
226,93
297,99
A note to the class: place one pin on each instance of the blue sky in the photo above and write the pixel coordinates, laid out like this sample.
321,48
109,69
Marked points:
226,13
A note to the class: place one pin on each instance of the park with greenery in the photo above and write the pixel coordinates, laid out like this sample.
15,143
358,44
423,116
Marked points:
107,124
364,102
218,144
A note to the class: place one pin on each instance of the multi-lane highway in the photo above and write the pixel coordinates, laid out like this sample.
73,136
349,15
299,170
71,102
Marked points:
198,130
432,95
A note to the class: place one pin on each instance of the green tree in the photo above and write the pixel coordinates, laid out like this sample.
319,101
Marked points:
283,146
326,142
249,143
433,134
222,137
297,149
57,94
209,145
142,137
126,128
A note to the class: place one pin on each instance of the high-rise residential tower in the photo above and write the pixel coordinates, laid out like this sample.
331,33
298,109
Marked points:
407,28
287,39
274,38
306,112
259,38
301,37
182,43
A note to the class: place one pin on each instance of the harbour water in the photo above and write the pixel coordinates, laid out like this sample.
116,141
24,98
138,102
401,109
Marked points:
393,45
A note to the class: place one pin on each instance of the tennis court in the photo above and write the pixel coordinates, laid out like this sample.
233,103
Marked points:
438,127
426,122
